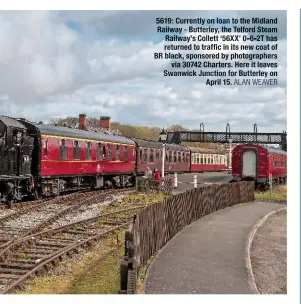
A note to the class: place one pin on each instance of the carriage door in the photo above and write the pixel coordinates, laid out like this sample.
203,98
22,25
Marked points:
249,163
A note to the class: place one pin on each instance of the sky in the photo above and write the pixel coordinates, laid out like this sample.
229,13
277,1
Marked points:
62,63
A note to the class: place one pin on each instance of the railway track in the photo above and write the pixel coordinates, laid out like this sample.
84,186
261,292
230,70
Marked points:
32,255
35,218
23,207
29,203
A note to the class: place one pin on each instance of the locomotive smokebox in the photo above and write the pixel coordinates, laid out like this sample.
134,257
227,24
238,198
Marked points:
82,122
105,122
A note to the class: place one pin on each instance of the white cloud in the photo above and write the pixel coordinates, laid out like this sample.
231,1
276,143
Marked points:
107,68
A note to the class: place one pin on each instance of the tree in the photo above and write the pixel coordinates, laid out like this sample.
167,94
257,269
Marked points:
176,128
70,121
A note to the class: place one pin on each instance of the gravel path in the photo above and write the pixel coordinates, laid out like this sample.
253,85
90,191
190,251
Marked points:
269,255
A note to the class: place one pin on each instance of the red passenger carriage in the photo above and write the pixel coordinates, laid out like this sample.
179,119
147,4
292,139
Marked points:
69,158
177,158
206,160
149,154
258,163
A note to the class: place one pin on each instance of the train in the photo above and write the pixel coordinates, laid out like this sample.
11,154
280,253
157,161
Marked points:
263,165
43,160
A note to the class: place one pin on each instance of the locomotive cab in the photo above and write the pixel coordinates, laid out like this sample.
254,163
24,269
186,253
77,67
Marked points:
15,160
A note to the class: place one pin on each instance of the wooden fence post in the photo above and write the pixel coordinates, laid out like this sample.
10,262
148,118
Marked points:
124,266
132,271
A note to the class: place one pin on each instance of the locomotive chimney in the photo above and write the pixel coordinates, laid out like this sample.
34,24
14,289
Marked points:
82,122
105,122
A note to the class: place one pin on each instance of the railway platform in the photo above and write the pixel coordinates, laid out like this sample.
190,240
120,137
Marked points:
208,256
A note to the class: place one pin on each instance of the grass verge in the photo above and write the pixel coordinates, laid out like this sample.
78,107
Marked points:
93,272
142,275
279,193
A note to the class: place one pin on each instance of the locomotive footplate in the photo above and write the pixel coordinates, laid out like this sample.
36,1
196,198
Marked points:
12,178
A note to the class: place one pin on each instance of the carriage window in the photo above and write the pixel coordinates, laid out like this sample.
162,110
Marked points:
151,155
201,158
117,152
175,157
157,154
104,151
45,144
99,151
140,154
109,152
76,150
167,156
88,150
170,156
145,155
63,149
125,154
